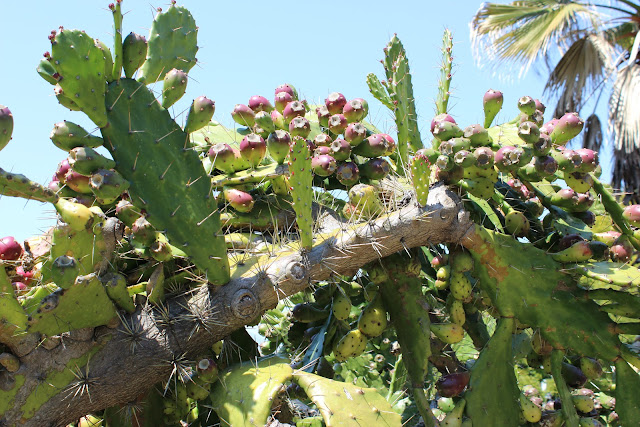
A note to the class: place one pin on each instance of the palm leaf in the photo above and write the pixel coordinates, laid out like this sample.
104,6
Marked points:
523,31
624,105
622,34
592,134
580,71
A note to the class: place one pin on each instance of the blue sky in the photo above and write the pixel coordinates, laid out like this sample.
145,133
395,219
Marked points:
246,49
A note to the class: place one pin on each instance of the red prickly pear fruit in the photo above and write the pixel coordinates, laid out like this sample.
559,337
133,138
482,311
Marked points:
374,146
63,168
507,158
444,117
134,53
589,160
338,123
527,105
322,140
293,109
491,103
548,127
632,214
253,149
323,165
621,250
348,173
573,376
355,133
287,88
323,149
391,143
517,224
174,86
585,201
335,102
278,144
565,198
77,182
259,103
568,241
207,370
238,199
355,110
542,146
340,149
26,276
376,168
477,134
453,384
200,114
323,115
580,251
10,250
568,160
299,126
529,132
546,166
445,130
569,126
484,157
243,115
278,119
439,261
6,126
281,100
539,105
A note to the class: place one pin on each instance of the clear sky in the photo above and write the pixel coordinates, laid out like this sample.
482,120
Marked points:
246,48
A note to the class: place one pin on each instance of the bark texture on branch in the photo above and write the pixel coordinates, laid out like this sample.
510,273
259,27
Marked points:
130,358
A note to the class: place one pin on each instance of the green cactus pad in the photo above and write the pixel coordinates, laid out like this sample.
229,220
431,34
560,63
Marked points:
343,404
59,312
172,44
444,82
613,273
301,189
420,171
80,63
492,398
244,394
627,389
47,71
378,91
13,320
527,283
167,181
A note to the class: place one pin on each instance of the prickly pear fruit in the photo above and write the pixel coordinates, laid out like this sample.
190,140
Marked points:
507,158
578,252
460,286
239,200
446,130
338,123
253,149
347,173
355,110
307,313
173,87
420,171
492,103
454,418
449,333
86,161
293,109
335,102
580,182
341,151
516,223
352,344
265,121
243,115
569,126
10,250
67,135
527,105
373,319
366,200
107,185
531,412
529,132
621,250
444,117
287,88
200,114
226,158
282,99
299,126
461,262
341,306
6,126
79,217
583,403
456,312
477,135
134,53
632,214
259,103
591,367
278,144
323,165
355,133
375,168
451,385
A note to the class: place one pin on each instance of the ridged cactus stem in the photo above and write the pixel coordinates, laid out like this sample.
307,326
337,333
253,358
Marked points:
444,82
568,410
301,189
615,210
423,407
117,40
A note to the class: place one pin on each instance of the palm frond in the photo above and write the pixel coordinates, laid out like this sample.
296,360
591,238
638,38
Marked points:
524,31
580,71
622,34
626,173
592,134
624,108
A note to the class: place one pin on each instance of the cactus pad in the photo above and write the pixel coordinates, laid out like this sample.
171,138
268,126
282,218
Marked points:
301,189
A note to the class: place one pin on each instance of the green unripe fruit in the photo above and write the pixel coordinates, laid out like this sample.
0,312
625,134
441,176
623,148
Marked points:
200,114
529,132
174,86
456,312
67,135
373,319
492,103
443,273
460,286
134,52
482,188
352,344
462,262
516,223
197,389
579,182
341,306
307,313
583,404
527,105
531,412
591,367
6,126
449,333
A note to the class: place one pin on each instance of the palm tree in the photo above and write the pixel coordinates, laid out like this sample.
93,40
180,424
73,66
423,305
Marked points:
598,53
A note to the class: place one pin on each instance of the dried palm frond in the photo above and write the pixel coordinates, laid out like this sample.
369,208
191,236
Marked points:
624,109
592,134
580,72
523,31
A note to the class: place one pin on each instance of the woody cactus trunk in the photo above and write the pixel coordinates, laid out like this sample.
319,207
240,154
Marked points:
446,280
